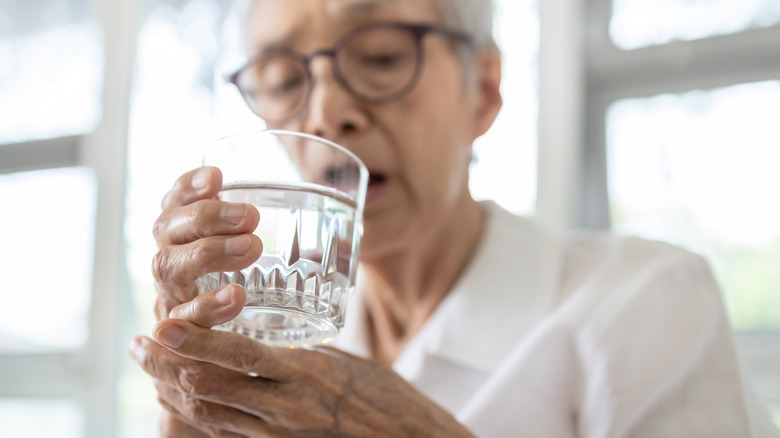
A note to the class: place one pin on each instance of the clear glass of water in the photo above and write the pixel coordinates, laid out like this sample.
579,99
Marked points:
310,193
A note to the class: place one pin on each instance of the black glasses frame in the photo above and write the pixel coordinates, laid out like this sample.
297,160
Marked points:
418,31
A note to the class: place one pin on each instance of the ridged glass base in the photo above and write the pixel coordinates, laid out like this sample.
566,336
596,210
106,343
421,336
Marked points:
284,310
281,327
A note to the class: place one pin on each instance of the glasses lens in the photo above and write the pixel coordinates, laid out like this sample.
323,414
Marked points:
379,62
274,87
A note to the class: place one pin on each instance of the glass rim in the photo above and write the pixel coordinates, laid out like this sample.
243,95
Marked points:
335,145
362,186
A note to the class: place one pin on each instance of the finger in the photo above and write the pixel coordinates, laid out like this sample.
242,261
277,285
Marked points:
280,405
219,420
200,381
176,425
228,350
173,425
212,308
201,183
202,218
183,264
175,268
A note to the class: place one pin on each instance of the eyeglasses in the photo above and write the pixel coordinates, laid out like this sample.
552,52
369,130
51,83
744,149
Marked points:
375,63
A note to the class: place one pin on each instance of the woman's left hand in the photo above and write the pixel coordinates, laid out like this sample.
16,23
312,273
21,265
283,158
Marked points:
227,384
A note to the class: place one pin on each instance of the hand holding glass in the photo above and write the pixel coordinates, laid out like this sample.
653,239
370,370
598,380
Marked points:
310,194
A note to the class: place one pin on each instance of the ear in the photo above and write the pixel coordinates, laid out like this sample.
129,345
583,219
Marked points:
487,90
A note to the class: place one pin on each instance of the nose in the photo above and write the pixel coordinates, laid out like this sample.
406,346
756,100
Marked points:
332,111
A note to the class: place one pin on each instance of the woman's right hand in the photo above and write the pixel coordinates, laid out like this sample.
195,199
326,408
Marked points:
197,234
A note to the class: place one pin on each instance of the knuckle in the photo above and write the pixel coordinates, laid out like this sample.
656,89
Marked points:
162,265
191,381
244,358
202,252
196,211
200,218
159,229
195,409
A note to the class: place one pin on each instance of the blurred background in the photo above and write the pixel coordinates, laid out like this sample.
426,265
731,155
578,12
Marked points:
652,118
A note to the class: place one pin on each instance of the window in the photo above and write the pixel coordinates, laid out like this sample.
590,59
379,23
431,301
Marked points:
682,146
61,180
46,301
64,418
51,74
698,169
640,23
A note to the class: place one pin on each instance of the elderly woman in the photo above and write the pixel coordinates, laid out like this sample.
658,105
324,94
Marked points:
467,320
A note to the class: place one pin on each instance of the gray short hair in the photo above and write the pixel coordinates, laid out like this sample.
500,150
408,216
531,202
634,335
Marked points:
473,17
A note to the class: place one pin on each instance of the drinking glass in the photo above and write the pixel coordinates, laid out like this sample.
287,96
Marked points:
310,194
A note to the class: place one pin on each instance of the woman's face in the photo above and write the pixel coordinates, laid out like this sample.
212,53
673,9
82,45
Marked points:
417,148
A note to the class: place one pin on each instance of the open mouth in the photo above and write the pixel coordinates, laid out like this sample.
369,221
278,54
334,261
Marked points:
376,182
345,178
375,179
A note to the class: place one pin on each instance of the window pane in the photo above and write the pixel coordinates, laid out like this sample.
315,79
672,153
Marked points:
641,23
774,408
47,233
700,170
51,73
61,418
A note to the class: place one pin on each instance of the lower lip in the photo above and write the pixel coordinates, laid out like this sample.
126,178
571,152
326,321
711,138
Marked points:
375,189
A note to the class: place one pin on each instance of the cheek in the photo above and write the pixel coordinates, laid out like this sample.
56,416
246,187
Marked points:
432,151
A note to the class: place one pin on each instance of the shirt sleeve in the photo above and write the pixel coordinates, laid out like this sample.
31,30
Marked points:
641,347
656,350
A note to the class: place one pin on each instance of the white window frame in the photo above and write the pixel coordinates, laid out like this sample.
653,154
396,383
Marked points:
572,117
89,375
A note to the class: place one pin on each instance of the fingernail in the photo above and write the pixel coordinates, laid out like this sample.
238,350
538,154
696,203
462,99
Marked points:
171,335
238,245
234,213
224,297
200,180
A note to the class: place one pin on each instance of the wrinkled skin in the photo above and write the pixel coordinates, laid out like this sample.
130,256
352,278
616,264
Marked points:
226,384
421,225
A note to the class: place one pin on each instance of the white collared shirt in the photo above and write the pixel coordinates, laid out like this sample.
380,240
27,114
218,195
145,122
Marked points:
594,336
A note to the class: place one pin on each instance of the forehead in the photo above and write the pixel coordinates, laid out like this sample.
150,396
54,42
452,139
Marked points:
290,22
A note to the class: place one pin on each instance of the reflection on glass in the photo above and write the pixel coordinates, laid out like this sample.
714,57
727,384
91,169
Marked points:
700,170
46,231
51,70
641,23
61,418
